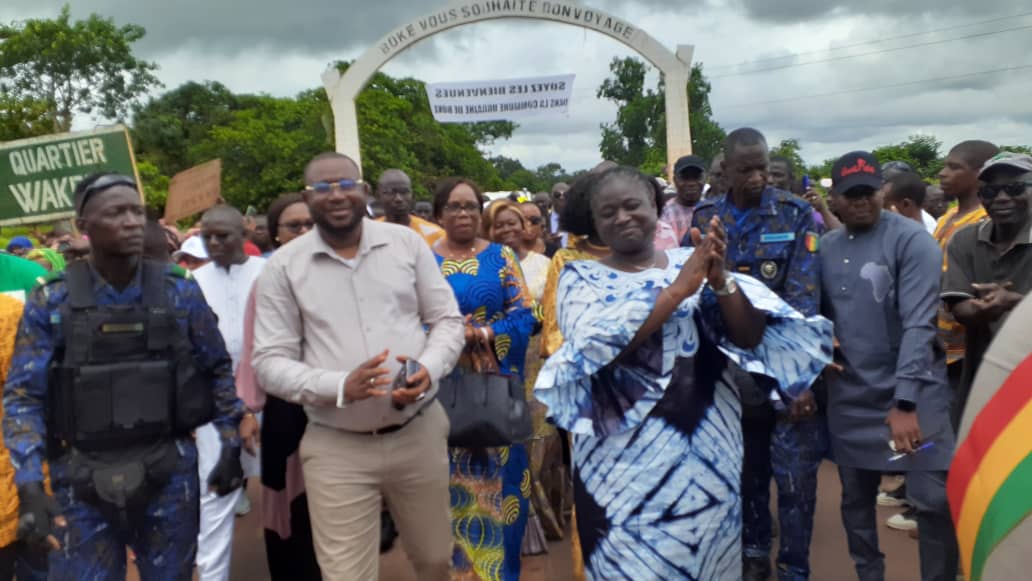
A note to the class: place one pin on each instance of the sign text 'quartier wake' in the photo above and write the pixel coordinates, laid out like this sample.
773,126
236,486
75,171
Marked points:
452,16
52,193
38,175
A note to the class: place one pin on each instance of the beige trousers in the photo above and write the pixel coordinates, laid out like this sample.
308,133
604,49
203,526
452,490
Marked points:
347,478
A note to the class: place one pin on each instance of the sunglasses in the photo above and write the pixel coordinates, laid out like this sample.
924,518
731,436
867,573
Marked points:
989,193
535,220
323,188
297,227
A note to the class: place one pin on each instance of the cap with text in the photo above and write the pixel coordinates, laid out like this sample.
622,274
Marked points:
856,169
1019,161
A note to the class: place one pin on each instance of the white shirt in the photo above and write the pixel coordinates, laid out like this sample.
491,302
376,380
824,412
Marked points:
535,272
928,221
226,292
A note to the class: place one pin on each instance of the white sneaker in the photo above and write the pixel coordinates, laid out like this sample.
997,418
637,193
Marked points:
243,506
891,499
904,521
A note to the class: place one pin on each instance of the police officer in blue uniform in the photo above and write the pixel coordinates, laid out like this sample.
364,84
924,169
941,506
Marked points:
117,360
772,236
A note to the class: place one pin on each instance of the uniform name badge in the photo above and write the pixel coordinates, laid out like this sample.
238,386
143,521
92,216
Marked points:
768,269
773,237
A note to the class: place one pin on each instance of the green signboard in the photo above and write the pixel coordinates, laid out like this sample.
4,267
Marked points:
39,175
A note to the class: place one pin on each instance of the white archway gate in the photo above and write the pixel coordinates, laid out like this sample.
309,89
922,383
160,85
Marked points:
676,68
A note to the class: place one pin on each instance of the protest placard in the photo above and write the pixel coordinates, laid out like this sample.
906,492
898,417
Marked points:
194,190
38,175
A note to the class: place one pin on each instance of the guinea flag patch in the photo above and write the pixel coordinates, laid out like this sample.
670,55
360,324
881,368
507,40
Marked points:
812,241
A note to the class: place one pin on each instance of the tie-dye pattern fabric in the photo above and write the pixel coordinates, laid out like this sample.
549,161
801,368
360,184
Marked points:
657,438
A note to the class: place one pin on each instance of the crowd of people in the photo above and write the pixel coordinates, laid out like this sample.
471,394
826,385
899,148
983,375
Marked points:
679,348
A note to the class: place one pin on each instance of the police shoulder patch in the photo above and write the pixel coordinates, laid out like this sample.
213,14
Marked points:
812,241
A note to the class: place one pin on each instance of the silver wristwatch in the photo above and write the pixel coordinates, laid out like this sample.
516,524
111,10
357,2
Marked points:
730,286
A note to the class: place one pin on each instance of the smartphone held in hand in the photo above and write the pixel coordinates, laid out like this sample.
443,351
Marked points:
408,369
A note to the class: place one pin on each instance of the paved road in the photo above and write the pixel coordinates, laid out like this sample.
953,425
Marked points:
829,558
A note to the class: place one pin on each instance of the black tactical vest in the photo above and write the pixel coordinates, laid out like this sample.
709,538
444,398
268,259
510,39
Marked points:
124,374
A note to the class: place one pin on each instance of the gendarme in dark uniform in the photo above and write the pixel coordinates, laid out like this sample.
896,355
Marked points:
775,242
106,384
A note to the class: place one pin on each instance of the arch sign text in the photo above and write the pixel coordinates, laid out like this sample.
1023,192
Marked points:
676,68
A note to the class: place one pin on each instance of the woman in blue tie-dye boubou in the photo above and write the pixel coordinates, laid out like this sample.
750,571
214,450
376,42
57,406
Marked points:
642,384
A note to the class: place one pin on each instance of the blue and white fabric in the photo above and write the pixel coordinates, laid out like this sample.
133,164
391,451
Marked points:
657,435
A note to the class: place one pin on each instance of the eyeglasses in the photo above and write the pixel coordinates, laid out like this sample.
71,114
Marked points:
457,208
1014,190
323,188
101,184
395,192
297,227
535,220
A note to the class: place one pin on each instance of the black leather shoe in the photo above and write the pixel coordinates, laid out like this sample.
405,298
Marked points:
755,569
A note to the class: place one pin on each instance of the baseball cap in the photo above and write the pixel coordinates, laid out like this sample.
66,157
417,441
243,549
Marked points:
192,246
690,162
19,242
856,168
1019,161
896,166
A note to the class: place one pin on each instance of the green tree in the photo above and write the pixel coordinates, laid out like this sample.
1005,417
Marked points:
264,142
167,126
638,135
635,135
22,118
397,129
789,149
821,170
264,147
920,152
707,135
506,166
86,66
1017,149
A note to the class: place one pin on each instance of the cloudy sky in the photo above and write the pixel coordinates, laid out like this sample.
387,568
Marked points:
835,74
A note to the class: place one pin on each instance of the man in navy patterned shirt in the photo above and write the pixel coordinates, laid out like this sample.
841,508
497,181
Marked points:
772,237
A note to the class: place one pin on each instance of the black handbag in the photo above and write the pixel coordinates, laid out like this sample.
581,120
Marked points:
486,410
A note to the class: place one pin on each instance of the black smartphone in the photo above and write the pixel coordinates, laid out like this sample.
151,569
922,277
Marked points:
410,368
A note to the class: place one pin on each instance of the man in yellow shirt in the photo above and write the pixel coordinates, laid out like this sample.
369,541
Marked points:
959,179
394,190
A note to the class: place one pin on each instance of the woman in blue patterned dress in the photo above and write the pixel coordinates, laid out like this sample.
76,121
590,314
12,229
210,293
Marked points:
490,487
641,383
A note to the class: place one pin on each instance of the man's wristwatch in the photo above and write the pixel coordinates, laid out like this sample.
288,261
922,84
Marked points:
906,406
730,286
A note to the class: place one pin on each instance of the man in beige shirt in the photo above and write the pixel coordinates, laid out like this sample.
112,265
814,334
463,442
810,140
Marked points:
338,311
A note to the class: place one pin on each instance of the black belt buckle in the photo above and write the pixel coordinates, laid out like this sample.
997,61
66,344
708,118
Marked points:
395,427
387,430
